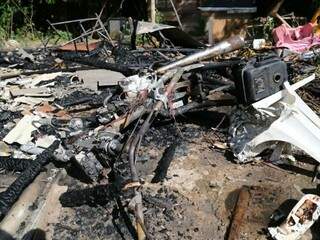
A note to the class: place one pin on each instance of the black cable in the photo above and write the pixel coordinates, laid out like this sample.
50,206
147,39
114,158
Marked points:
13,192
14,164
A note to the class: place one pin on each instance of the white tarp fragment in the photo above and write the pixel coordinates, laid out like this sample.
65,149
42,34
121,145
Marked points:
45,141
33,100
32,81
25,55
8,72
31,92
21,133
31,148
134,84
36,79
300,219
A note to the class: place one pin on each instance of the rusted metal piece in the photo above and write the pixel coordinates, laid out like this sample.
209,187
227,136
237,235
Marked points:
125,120
223,47
80,46
239,213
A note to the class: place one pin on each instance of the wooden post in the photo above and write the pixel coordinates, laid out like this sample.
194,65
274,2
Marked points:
239,214
210,29
152,10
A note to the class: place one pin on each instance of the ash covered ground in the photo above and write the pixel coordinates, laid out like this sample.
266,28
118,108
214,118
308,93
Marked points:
197,197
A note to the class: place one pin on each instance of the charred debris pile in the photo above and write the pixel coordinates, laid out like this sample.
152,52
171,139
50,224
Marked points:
87,107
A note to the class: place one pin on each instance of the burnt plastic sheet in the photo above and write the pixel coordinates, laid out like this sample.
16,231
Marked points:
96,62
164,163
81,97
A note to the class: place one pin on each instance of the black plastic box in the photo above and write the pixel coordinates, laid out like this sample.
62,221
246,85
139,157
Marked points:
260,78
